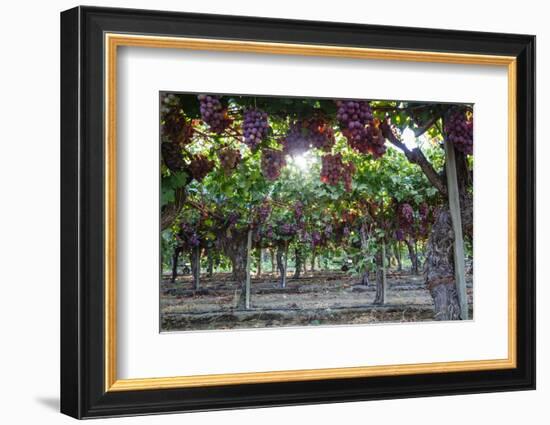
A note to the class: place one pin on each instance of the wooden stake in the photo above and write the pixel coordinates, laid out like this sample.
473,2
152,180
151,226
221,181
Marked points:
383,272
285,263
197,268
454,207
247,283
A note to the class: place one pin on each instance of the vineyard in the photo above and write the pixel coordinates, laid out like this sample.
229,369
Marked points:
283,211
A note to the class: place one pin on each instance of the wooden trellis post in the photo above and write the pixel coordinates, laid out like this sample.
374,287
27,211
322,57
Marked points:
197,268
454,207
248,263
384,283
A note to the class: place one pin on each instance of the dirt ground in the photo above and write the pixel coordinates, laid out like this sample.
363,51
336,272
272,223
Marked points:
320,298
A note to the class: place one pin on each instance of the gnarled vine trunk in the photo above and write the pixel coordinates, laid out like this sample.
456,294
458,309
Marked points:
196,266
259,262
363,234
380,296
210,263
177,251
282,254
297,263
412,255
233,245
439,268
397,251
273,265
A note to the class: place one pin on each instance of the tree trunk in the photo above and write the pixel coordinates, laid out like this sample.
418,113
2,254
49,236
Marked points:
282,254
439,268
196,267
389,258
313,261
397,250
412,255
210,266
380,257
243,302
297,263
418,260
365,278
259,263
234,246
175,258
238,263
272,253
364,248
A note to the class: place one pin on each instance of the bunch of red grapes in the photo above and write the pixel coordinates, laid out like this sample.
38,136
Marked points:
305,134
406,214
176,128
232,218
399,235
188,235
346,231
264,210
321,134
213,113
424,211
405,217
331,168
255,127
269,232
272,163
171,154
334,170
328,230
177,131
459,128
295,141
375,140
316,238
425,219
200,166
229,159
360,128
353,117
287,229
298,210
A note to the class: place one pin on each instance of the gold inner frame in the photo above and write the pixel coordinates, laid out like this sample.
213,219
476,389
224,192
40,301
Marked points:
113,41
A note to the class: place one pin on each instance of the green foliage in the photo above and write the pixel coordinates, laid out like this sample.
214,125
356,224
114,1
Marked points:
223,200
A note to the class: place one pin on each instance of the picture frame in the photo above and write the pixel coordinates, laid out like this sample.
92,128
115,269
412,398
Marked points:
90,39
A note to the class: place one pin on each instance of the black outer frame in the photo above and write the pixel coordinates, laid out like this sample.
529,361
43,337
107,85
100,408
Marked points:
82,212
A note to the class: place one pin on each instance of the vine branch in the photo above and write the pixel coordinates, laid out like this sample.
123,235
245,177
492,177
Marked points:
415,156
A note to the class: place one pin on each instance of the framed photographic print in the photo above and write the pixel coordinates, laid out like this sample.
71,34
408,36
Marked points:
261,212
